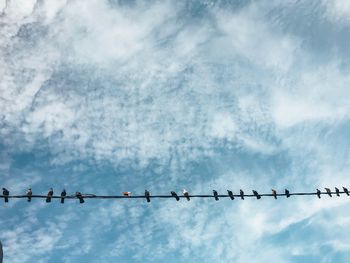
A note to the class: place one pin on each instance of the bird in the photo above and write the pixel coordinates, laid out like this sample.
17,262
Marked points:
274,193
230,194
337,191
127,193
216,195
147,195
318,192
29,194
346,190
49,195
241,193
286,191
80,197
63,194
5,193
329,192
186,194
175,195
256,194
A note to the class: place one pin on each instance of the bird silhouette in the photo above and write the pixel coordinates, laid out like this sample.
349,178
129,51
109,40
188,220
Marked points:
29,194
63,195
186,194
5,193
147,195
175,195
230,194
49,195
318,192
216,196
274,193
329,192
256,194
286,191
241,193
80,197
337,191
346,190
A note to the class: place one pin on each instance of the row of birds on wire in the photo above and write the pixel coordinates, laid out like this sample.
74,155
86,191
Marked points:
147,195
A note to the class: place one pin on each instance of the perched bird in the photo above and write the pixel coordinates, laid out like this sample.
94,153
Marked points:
175,195
147,195
80,197
286,191
318,192
29,194
329,192
230,194
337,191
274,193
346,190
5,193
216,195
186,194
241,193
63,194
127,193
49,195
256,194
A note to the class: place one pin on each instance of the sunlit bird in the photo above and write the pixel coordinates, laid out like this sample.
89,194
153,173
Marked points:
186,194
175,195
230,194
337,191
274,193
6,194
241,193
80,197
346,190
318,192
29,194
63,195
216,195
256,194
286,191
329,192
127,193
49,195
147,195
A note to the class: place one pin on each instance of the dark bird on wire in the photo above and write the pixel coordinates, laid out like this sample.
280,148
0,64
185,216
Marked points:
241,193
230,194
49,195
329,192
337,191
216,195
29,194
256,194
318,192
286,191
63,195
80,197
5,193
274,193
346,190
175,195
147,195
186,194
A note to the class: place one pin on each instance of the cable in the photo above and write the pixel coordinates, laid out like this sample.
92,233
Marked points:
148,196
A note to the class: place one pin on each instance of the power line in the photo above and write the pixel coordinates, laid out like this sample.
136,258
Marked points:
148,196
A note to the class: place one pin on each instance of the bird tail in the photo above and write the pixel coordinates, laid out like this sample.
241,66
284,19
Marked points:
62,200
48,200
6,199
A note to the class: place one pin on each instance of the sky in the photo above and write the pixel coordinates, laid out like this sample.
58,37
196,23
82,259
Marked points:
106,96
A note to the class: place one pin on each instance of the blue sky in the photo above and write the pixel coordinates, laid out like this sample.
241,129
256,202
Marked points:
111,96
